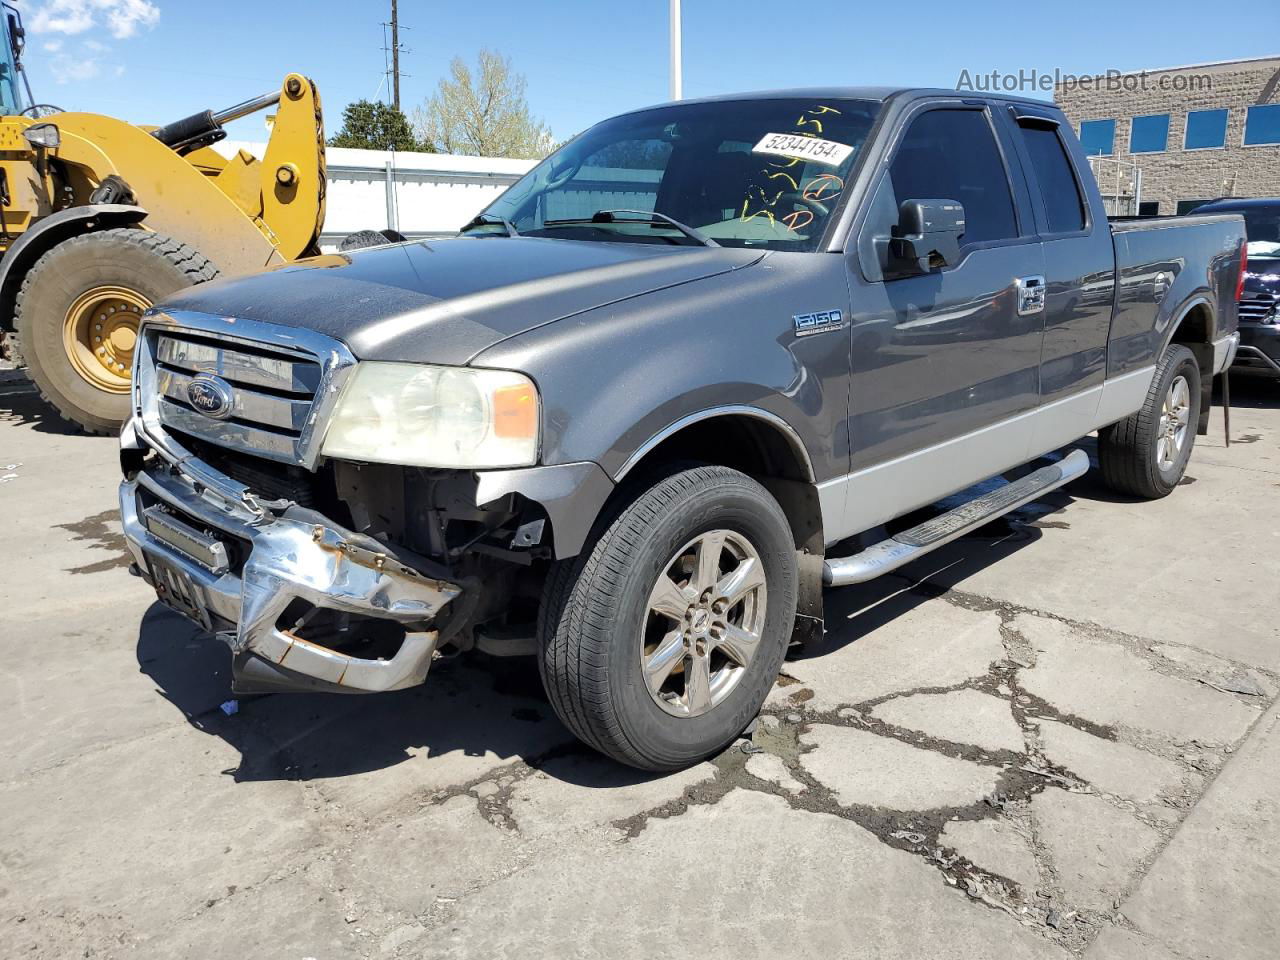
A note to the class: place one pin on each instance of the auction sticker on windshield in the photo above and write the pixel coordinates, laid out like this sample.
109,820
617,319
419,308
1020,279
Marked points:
804,148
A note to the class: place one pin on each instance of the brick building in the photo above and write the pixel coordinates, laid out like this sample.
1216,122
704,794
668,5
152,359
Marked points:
1186,134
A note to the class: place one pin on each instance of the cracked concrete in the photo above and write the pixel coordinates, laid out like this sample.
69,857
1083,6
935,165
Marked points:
863,769
991,751
962,716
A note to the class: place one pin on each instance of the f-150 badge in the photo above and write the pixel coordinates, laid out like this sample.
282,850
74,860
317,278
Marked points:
808,324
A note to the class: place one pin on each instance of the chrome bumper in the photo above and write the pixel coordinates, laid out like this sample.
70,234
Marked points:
318,562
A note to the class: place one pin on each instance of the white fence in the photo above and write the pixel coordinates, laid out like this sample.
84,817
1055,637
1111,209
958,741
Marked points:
418,194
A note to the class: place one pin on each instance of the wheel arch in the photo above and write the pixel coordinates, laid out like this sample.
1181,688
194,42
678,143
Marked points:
769,450
47,234
1194,328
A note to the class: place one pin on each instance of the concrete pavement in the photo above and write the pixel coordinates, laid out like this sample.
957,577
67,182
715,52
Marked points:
1058,738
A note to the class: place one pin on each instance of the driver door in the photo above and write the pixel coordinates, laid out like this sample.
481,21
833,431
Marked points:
945,363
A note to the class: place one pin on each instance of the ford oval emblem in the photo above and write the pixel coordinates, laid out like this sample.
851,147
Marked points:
211,396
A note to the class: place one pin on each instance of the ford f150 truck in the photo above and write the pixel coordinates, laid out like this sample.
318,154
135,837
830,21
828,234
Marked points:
659,394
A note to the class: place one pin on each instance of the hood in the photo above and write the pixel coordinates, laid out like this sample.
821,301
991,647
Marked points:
445,301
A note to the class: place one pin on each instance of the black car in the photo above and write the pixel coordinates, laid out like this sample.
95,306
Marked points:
1260,296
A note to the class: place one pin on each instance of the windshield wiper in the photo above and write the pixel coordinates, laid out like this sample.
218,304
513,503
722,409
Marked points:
610,216
492,219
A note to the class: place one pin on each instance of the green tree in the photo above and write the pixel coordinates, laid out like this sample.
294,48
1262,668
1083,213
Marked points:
371,125
483,114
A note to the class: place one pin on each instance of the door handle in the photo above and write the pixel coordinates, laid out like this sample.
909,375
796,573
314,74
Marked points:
1031,292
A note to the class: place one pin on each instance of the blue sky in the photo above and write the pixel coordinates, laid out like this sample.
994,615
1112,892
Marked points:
157,60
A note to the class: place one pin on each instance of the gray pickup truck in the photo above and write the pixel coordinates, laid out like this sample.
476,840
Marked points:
663,391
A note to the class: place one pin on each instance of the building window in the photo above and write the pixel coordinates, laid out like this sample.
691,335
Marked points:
1149,134
1186,206
1149,208
1262,125
1098,137
1206,129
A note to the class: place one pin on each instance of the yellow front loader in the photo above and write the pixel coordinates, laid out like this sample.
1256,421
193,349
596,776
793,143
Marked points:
99,219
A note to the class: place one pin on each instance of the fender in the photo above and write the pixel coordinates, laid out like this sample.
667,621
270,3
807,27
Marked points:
48,233
1203,352
1180,314
793,438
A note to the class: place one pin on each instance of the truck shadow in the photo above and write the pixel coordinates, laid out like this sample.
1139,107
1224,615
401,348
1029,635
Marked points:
1253,391
477,706
469,707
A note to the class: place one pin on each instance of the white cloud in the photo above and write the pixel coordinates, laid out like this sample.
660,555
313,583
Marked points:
122,18
67,68
52,46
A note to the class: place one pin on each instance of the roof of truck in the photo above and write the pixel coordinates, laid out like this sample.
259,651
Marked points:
850,93
1240,203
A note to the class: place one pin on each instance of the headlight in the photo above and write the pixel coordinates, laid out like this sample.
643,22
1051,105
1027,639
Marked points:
427,416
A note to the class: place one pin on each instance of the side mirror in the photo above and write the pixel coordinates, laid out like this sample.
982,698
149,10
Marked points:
43,136
928,234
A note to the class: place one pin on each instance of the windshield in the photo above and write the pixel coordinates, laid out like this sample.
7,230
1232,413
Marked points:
12,102
745,173
1263,230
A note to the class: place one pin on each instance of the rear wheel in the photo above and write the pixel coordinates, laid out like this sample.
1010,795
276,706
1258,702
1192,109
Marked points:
1145,455
77,316
659,644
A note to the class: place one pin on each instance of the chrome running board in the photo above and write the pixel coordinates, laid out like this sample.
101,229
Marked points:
906,546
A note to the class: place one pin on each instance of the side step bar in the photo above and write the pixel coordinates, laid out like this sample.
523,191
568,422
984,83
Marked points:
906,546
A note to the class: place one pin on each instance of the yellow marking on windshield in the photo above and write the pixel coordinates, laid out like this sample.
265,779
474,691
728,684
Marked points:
786,176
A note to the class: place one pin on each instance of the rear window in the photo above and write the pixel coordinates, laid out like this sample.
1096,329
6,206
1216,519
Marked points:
1059,190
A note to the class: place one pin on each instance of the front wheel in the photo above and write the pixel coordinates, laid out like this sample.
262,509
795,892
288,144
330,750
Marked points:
1145,455
659,644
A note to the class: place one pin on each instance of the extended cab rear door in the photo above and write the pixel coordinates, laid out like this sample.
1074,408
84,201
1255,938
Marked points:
945,363
1079,270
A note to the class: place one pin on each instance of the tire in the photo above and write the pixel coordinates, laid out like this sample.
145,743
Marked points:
364,239
595,623
138,266
1145,455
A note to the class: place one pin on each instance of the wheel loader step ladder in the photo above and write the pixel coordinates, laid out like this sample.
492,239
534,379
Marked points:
906,546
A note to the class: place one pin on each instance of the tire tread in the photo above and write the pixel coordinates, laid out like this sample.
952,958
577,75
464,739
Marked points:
194,266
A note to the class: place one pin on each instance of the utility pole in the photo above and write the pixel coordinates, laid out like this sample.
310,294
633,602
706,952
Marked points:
395,55
675,50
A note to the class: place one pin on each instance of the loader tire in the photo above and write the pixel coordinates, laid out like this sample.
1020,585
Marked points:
77,313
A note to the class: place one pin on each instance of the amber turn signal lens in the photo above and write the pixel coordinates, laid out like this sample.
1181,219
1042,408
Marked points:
515,411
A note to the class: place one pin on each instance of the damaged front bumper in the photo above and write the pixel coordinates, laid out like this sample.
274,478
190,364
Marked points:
215,554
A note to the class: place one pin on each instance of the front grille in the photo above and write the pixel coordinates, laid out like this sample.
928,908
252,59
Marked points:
271,380
265,479
1257,308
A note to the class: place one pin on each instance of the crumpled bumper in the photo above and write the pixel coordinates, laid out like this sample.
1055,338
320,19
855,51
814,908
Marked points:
281,559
